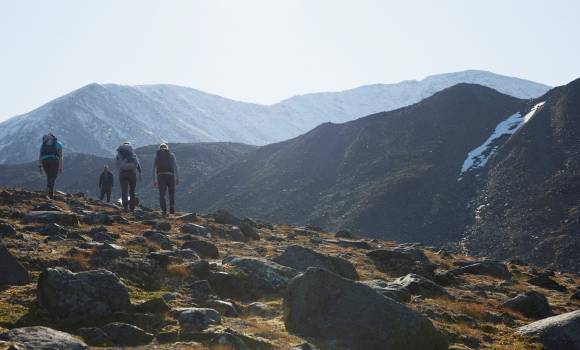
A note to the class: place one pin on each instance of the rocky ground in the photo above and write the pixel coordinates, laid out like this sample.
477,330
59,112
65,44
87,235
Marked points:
76,272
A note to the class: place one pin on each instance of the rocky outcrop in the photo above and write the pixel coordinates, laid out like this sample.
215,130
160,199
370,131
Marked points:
323,305
560,332
11,271
531,304
301,258
43,338
80,296
264,275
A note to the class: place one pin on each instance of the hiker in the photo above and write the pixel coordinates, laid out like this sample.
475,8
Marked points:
129,172
51,160
165,177
106,183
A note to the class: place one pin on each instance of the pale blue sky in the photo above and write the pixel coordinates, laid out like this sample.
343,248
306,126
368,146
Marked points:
264,51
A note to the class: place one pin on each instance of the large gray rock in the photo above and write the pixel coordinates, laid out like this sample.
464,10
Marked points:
203,248
419,285
488,268
80,296
11,271
323,305
531,304
123,334
223,216
301,258
43,338
194,229
51,217
560,332
402,261
197,319
264,275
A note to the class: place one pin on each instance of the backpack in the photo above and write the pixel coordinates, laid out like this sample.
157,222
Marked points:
49,147
163,161
128,160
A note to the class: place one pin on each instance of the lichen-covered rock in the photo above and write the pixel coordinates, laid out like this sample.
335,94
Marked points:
43,338
531,304
51,217
265,275
80,296
560,332
197,319
323,305
123,334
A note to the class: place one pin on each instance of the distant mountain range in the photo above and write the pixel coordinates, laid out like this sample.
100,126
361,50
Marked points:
96,118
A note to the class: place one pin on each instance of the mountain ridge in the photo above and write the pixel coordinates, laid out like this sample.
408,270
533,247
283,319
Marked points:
97,117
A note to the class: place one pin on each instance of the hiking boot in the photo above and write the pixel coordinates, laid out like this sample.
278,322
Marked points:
172,211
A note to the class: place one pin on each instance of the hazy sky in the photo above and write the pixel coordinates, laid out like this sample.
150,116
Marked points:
264,51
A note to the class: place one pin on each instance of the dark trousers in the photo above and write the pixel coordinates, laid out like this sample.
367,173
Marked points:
166,183
128,180
106,190
50,167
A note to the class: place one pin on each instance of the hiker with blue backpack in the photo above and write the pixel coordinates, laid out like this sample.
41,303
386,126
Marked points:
129,169
51,161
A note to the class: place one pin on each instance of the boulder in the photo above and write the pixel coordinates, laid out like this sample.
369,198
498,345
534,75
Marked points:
191,217
194,229
544,281
225,308
110,251
92,218
575,296
264,275
54,230
400,262
204,249
162,226
235,234
419,285
223,216
158,238
320,304
354,243
531,304
42,338
560,332
197,319
51,217
123,334
7,230
227,341
301,258
11,271
80,296
488,268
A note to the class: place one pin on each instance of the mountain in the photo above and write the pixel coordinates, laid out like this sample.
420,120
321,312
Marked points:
197,162
391,175
528,206
96,118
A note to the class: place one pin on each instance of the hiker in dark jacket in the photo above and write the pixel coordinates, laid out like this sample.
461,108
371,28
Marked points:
51,161
129,172
165,177
106,182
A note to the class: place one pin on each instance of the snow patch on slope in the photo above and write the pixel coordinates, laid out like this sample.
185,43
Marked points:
478,157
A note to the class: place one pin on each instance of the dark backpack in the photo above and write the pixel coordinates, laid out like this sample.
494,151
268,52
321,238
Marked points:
128,160
49,148
163,161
